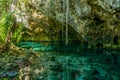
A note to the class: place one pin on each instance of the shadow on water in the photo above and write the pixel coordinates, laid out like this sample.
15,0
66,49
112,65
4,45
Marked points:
77,62
73,48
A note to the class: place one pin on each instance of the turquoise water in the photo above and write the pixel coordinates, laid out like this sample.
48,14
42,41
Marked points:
57,46
49,46
76,61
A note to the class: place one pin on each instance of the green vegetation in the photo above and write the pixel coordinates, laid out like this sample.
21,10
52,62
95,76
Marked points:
6,24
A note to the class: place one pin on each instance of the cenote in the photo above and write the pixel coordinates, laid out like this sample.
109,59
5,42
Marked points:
74,61
59,39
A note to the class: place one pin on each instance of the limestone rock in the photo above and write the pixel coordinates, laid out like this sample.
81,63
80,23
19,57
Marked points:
96,21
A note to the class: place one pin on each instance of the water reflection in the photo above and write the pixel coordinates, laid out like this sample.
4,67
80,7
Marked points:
74,62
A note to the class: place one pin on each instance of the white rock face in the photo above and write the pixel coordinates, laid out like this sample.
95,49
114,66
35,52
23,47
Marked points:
57,9
84,16
78,8
20,13
109,5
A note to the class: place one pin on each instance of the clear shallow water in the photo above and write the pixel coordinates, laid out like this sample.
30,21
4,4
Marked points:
75,62
52,46
73,47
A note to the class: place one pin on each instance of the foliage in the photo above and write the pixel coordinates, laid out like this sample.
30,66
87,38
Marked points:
6,23
4,5
18,33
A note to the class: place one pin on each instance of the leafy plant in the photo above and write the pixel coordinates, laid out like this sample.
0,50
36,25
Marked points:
4,5
18,33
6,23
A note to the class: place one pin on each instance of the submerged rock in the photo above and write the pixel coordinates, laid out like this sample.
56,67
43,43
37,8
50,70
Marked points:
12,74
8,74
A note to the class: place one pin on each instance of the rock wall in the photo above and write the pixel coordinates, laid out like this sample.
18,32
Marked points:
96,21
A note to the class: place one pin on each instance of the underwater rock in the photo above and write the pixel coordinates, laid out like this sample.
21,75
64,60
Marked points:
95,72
10,66
52,58
55,67
3,74
8,74
12,74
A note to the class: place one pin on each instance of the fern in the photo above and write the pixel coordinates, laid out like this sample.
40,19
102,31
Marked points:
6,23
3,27
18,33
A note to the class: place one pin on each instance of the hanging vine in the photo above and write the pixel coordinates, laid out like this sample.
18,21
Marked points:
67,16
